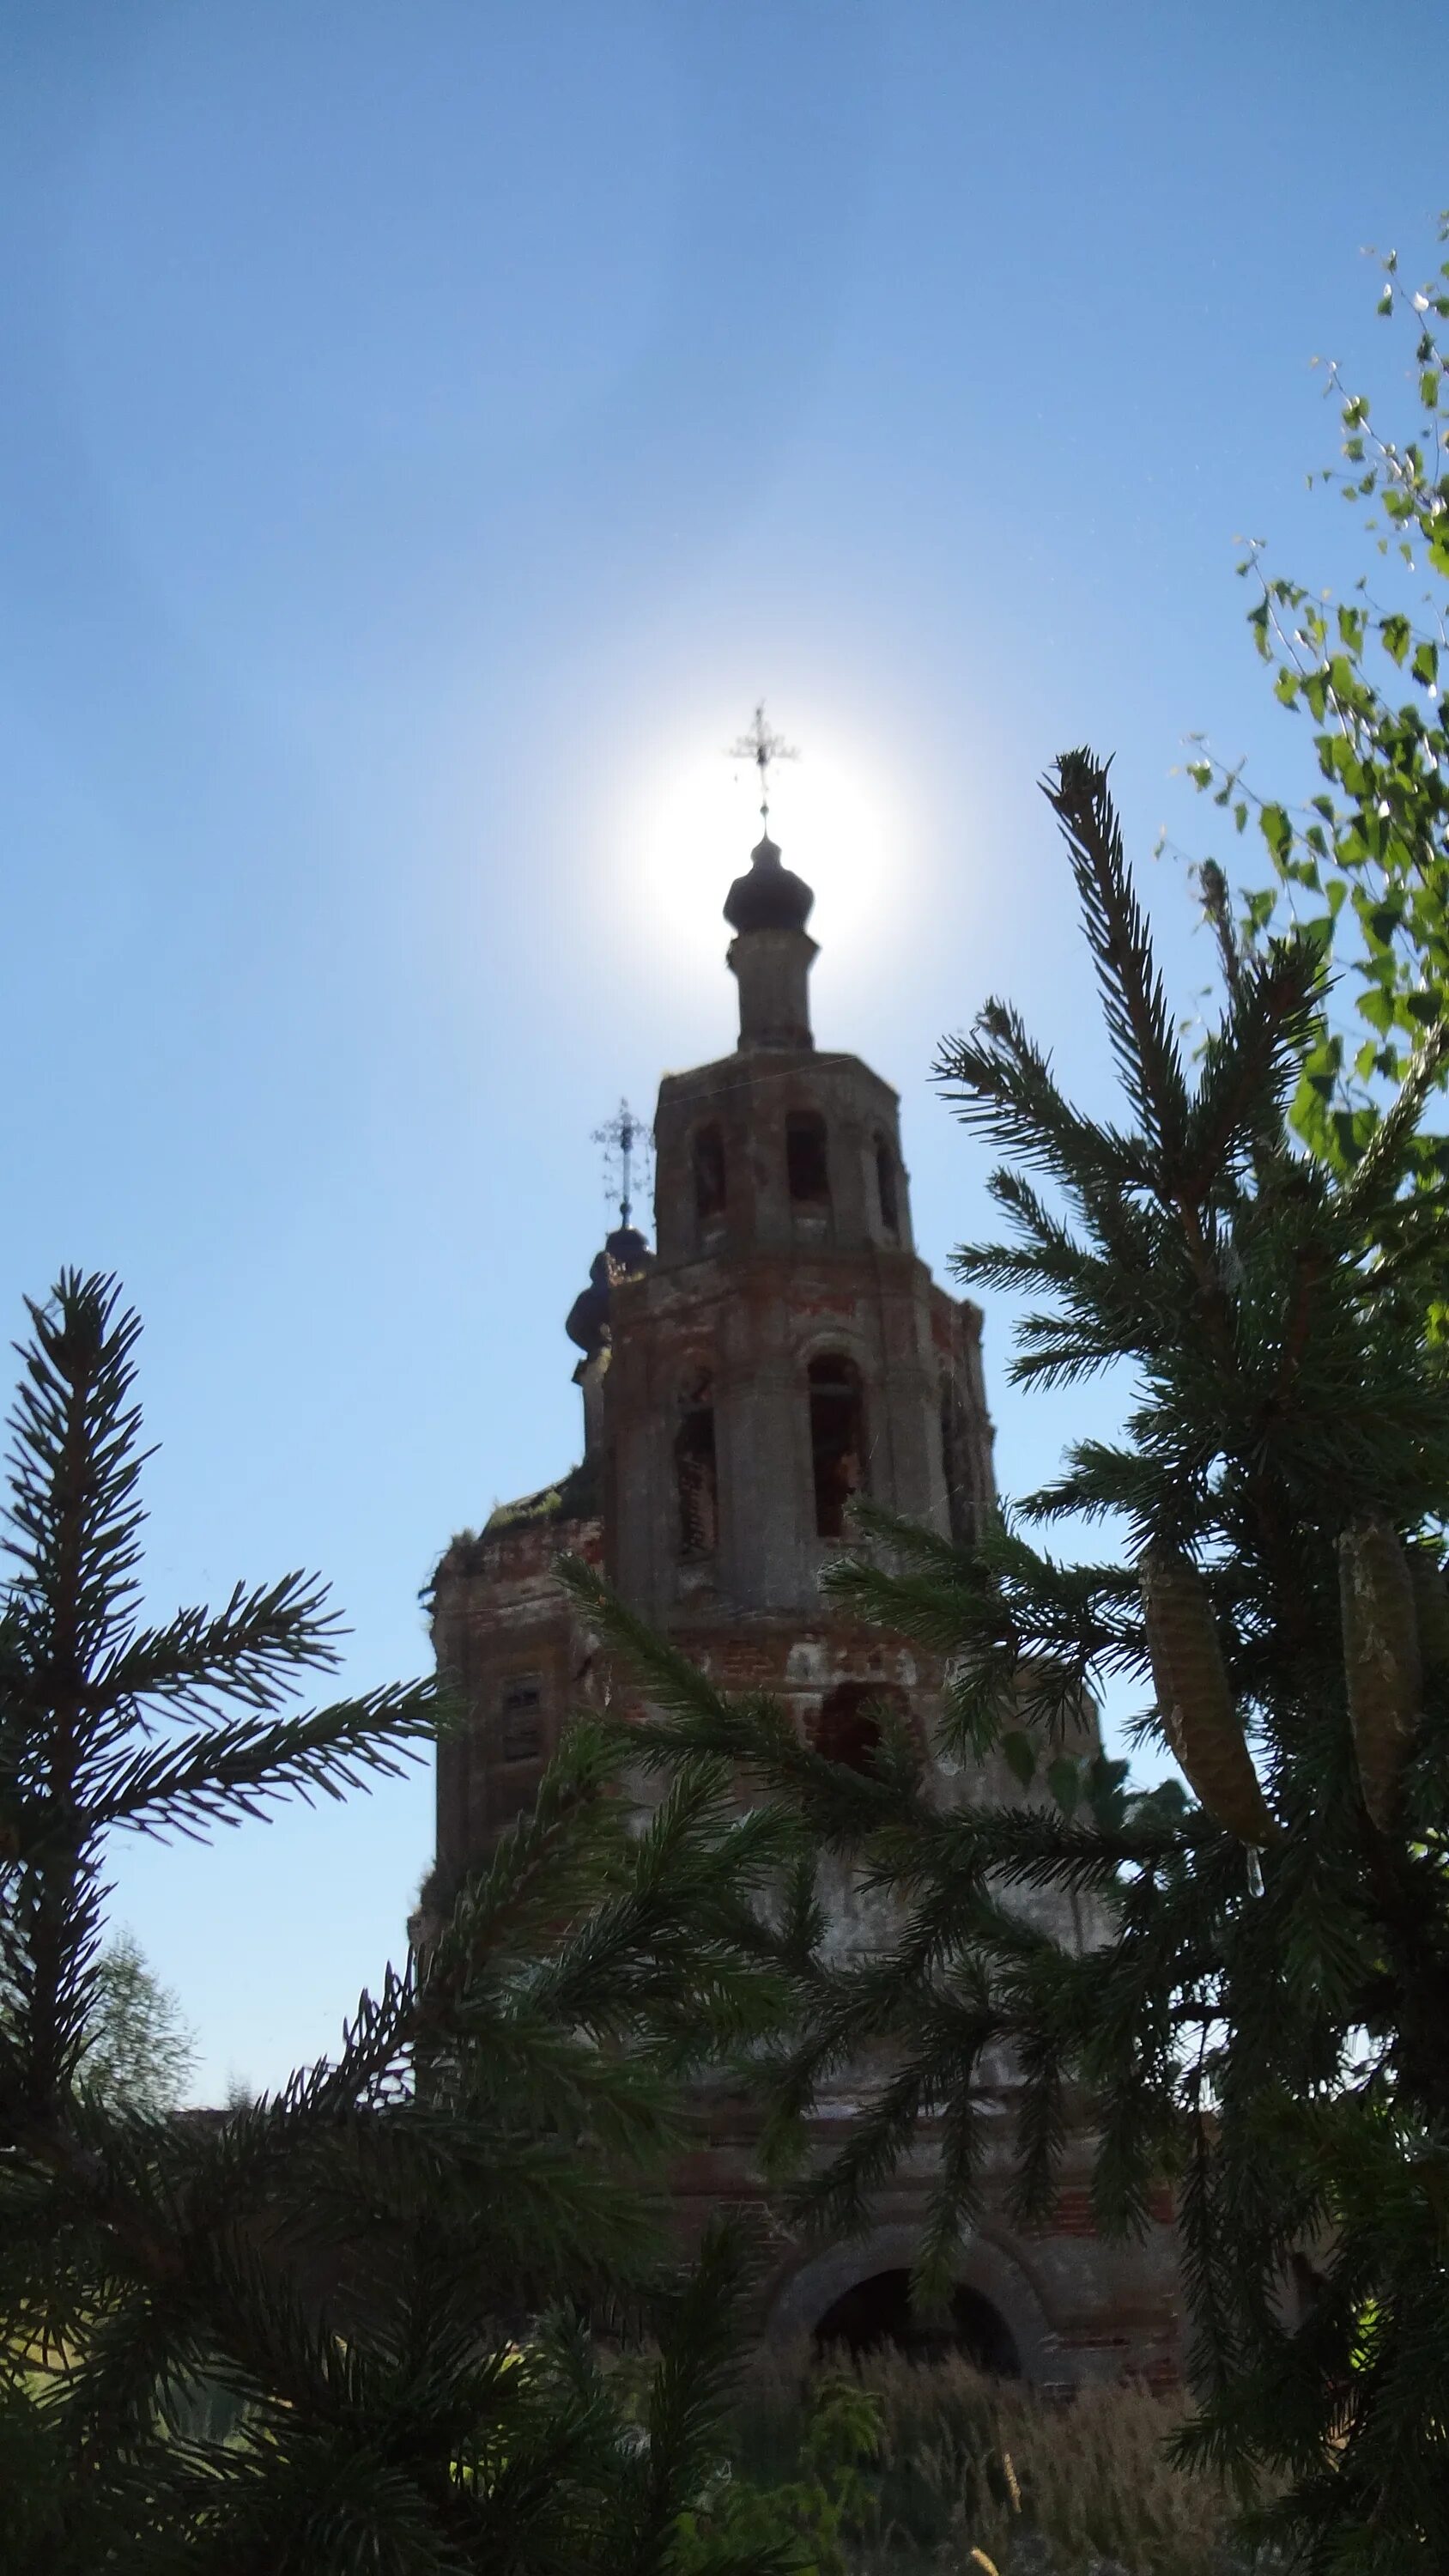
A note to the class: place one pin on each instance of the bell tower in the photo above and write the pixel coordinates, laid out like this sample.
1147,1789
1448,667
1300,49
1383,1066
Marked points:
781,1351
785,1350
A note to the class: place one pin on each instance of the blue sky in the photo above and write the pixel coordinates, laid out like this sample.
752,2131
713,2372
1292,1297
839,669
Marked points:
427,431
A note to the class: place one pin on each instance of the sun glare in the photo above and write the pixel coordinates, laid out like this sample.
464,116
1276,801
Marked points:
837,825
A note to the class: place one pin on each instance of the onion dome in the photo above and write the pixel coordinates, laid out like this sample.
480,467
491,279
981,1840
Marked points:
771,897
628,1252
625,1253
588,1323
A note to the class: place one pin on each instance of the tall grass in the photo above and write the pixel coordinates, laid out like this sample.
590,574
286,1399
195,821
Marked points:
969,2462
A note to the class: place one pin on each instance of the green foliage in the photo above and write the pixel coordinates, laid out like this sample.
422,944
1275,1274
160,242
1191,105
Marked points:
138,2049
337,2328
1264,2028
1364,864
962,2461
807,2519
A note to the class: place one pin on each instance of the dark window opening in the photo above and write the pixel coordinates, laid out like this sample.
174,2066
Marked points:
709,1172
695,1470
879,2312
848,1726
956,1466
837,1442
521,1714
885,1183
806,1162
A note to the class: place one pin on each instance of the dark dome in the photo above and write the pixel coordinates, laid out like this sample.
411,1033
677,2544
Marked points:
625,1252
770,897
588,1323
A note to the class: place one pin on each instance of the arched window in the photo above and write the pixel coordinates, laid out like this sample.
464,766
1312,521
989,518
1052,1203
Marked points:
847,1726
837,1441
521,1719
709,1172
885,1187
695,1473
956,1465
807,1164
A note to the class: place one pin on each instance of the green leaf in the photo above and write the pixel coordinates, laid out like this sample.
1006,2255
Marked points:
1277,831
1377,1007
1396,635
1352,1129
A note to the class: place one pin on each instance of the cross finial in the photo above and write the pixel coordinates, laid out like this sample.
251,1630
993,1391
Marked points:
762,746
622,1137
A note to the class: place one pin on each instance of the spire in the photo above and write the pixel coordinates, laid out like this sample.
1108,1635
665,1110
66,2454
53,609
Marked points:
771,955
626,1143
623,1137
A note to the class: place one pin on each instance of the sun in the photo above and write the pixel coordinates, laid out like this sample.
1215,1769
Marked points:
838,824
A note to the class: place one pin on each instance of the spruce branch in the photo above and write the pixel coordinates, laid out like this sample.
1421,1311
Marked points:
1139,1023
223,1773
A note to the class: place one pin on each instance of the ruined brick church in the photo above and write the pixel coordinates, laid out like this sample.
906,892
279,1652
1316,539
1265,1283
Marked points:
780,1349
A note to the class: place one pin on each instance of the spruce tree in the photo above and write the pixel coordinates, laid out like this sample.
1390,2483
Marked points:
387,2271
1264,2015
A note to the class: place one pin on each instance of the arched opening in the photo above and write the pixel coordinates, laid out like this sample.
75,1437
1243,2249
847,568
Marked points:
847,1726
695,1472
885,1188
837,1441
807,1164
521,1719
879,2311
956,1466
709,1173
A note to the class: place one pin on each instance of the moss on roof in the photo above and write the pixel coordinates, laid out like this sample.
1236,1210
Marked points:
574,1498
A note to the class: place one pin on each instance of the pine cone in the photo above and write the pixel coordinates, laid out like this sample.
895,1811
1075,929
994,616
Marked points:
1381,1659
1194,1699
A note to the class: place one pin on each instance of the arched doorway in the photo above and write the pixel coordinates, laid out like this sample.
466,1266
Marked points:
878,2311
991,2269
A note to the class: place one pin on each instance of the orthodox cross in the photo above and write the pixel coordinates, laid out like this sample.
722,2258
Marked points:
622,1137
762,746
